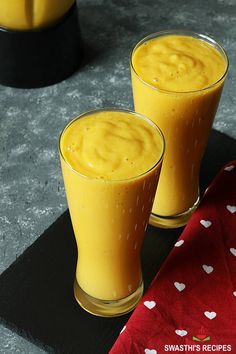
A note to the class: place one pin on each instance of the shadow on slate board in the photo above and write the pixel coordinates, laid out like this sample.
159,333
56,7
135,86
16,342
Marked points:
36,291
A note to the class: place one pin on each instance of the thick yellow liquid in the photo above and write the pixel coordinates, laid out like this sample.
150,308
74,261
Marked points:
174,80
110,169
32,14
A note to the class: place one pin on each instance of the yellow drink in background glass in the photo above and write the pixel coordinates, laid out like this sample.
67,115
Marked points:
111,160
32,14
177,80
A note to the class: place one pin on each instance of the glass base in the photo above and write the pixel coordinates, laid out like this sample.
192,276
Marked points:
107,308
173,221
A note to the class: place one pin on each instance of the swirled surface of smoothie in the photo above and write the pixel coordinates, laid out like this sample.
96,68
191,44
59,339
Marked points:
111,146
178,63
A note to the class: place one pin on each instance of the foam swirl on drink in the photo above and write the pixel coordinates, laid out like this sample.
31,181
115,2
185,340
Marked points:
111,145
178,63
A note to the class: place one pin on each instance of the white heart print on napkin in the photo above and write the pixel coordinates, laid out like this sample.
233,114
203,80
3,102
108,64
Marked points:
150,304
229,168
123,329
207,269
181,332
231,208
150,351
205,223
210,315
179,243
179,286
233,251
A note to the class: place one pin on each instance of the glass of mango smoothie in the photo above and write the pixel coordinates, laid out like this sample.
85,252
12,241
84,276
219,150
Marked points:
177,80
111,160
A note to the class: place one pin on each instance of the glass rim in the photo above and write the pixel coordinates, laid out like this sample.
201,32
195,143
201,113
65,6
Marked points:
183,32
112,109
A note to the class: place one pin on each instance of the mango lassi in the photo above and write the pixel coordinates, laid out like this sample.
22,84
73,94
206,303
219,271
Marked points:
177,79
110,162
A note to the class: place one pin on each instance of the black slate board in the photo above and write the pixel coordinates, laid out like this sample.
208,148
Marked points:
36,291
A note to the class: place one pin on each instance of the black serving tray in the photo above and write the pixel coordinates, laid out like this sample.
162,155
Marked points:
36,291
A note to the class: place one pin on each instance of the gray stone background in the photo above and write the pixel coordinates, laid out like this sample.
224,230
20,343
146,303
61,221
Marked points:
31,187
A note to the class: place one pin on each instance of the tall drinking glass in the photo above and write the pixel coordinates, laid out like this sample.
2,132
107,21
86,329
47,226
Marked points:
111,160
177,80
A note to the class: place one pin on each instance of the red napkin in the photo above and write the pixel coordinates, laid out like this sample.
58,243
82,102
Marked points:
191,304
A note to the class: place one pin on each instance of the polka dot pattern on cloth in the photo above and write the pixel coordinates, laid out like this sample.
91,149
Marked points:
193,297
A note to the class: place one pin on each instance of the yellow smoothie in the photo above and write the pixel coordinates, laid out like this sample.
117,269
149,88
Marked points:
177,82
32,14
110,162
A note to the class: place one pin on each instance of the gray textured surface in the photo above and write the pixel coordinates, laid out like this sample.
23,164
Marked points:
31,188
